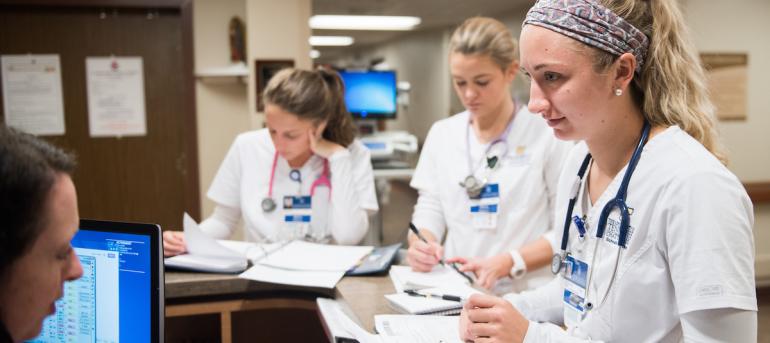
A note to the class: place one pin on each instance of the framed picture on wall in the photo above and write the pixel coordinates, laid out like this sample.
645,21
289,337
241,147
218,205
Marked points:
264,70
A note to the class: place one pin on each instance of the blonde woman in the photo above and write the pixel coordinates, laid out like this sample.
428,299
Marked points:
657,243
487,176
302,177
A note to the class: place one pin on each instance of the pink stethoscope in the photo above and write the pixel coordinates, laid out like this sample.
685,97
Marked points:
268,204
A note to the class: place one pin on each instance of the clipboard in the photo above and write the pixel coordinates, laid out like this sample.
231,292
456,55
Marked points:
377,262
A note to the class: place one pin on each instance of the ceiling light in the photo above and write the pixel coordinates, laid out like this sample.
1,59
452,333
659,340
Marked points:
330,40
315,54
363,22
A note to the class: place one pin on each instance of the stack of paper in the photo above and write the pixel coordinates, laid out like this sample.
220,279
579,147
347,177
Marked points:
406,328
306,264
390,328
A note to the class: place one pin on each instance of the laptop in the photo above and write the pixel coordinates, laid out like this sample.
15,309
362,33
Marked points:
119,298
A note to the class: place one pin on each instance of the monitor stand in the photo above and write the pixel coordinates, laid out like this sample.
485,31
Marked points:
367,127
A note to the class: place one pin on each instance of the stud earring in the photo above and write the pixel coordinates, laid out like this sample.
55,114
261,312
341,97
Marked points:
618,92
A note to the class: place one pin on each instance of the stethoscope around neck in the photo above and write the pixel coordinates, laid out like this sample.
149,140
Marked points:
268,203
618,202
495,151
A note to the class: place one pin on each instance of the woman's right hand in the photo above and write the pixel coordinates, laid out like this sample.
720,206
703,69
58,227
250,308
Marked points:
173,243
423,256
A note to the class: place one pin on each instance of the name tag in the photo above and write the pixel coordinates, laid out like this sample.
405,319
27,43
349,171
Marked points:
297,202
484,208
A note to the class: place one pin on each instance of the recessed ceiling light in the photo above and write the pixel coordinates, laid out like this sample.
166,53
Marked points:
315,54
364,22
330,40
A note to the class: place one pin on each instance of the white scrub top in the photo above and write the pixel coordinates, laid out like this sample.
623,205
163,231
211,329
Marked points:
690,248
243,182
527,179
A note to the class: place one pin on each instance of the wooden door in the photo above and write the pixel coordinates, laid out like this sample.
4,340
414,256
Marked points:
153,178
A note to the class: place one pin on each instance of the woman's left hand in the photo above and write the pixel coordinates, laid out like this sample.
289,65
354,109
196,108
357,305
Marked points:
319,145
488,270
487,318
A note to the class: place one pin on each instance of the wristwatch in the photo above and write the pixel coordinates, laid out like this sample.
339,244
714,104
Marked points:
519,267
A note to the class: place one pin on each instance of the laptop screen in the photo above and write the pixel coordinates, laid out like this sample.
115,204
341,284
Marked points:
117,298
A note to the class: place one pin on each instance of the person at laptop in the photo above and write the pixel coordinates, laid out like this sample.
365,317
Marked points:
40,217
304,176
487,176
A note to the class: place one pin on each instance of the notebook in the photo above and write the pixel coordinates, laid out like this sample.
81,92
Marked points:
409,304
404,278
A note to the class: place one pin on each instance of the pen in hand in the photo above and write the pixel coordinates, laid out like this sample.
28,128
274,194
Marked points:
441,260
415,293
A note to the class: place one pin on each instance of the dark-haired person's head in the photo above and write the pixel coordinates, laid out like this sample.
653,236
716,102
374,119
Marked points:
38,206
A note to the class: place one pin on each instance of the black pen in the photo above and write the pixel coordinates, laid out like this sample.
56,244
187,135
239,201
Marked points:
415,293
440,261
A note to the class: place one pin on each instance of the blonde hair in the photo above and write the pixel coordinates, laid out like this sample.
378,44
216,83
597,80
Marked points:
672,89
313,95
485,36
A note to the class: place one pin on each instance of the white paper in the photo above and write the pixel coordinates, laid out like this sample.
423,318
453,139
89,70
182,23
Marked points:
342,326
404,277
301,255
410,328
115,96
32,93
199,243
205,253
309,278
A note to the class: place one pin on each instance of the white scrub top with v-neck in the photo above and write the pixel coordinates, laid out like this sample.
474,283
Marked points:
527,178
243,182
689,248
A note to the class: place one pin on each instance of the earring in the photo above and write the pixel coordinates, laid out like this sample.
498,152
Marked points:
618,92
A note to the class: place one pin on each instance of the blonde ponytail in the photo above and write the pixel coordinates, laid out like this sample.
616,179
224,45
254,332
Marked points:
672,88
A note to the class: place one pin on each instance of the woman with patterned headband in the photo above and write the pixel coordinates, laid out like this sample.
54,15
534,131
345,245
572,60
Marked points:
656,243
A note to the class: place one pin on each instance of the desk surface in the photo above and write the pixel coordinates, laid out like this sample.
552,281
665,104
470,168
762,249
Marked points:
187,285
364,295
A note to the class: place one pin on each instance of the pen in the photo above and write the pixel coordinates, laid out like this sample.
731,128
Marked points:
440,261
414,293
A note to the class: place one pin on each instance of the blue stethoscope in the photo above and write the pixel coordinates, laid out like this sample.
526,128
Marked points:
559,260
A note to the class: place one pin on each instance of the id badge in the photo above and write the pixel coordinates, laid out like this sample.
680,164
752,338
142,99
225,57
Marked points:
484,208
297,213
576,274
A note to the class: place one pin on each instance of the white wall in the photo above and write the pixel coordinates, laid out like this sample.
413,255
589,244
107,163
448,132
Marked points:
738,26
222,107
227,106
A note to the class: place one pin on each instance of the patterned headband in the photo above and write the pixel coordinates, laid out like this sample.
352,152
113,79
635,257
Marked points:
590,23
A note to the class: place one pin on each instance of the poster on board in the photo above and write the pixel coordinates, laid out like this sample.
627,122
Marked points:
116,104
32,93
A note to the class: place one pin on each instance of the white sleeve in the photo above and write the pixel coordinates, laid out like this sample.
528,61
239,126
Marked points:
542,304
708,242
222,222
353,196
226,187
428,213
720,325
544,309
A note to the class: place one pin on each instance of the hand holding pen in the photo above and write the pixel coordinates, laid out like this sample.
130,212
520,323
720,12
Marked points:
422,257
423,254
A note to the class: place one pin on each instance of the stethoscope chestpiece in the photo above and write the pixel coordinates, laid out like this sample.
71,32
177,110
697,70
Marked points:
556,263
295,175
473,186
268,205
